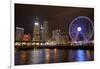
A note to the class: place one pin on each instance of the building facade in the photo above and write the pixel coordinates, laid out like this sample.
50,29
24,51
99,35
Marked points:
36,30
56,36
26,37
19,32
44,32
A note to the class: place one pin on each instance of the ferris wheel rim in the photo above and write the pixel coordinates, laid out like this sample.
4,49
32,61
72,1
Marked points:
79,17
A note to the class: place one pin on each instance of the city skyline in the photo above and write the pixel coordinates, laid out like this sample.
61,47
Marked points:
59,18
53,34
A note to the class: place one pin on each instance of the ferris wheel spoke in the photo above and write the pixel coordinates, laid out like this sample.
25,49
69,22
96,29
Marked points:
76,36
81,25
84,36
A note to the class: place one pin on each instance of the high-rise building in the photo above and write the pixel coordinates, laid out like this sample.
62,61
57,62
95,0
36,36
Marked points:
56,35
36,30
44,31
46,34
19,34
42,34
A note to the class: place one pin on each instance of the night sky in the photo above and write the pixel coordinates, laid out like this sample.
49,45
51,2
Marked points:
57,17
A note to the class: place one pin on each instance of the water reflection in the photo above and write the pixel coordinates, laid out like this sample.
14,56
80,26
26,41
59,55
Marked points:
47,55
22,57
81,55
41,56
55,55
34,56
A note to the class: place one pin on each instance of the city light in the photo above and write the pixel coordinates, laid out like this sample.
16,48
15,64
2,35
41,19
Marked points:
36,24
42,27
79,29
46,34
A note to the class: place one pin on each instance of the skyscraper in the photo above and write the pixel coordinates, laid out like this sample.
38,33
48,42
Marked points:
36,30
42,34
44,31
45,25
19,34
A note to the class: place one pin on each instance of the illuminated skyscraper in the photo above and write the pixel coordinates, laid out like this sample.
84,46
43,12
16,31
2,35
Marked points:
36,30
45,25
19,34
42,34
44,31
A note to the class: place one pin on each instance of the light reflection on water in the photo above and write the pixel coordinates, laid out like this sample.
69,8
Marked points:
41,56
47,55
81,56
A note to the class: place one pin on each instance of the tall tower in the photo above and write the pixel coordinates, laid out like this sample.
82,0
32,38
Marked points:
45,25
44,31
36,30
42,34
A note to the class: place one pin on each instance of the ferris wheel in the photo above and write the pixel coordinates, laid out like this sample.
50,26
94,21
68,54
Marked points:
81,29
